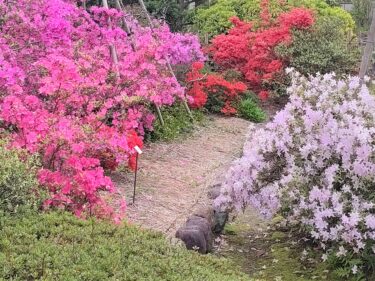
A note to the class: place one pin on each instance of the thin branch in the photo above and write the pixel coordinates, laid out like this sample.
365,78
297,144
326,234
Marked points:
198,79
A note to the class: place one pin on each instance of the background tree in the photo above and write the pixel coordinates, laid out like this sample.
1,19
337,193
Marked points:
361,13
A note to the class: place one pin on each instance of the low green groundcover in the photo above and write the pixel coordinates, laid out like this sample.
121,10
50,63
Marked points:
58,246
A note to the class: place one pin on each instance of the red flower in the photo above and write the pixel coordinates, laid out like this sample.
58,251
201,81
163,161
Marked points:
202,86
252,51
263,95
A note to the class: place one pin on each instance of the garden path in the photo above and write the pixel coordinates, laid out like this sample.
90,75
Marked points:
174,177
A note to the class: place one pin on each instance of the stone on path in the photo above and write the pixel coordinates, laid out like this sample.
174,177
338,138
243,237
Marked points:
193,238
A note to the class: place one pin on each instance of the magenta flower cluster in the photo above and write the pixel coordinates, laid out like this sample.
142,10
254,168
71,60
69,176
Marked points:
63,96
314,164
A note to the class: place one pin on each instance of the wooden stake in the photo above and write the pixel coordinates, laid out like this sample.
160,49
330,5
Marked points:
135,177
128,31
369,48
143,6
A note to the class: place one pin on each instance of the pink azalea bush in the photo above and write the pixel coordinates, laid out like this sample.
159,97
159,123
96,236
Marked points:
314,164
63,97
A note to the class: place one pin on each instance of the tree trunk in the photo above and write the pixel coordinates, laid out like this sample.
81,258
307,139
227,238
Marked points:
112,48
367,54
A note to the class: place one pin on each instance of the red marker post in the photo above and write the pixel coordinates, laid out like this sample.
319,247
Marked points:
139,152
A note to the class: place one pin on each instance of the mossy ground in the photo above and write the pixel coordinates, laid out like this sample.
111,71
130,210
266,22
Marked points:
268,254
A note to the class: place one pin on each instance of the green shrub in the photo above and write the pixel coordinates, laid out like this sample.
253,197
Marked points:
322,49
249,109
177,122
58,246
213,20
18,182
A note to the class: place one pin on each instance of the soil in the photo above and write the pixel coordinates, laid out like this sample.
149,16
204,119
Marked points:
174,177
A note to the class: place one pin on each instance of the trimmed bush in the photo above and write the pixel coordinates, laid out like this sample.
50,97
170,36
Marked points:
18,183
322,49
250,110
58,246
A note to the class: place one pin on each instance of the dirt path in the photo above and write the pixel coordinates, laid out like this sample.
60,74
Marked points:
174,177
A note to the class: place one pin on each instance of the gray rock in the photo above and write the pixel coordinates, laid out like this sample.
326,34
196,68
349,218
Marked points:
204,226
193,238
207,213
220,219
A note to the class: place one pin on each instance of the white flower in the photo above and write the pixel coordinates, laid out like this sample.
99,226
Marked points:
289,70
324,257
355,269
342,252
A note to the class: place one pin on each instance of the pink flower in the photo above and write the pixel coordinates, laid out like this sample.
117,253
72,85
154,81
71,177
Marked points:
61,99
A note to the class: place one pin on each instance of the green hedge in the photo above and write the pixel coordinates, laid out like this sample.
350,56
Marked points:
213,20
58,246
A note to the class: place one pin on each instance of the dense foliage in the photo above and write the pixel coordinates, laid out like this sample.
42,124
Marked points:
322,49
213,20
314,165
64,95
59,247
169,11
18,182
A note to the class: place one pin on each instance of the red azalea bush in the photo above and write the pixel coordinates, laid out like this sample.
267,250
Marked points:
63,96
196,91
251,50
213,91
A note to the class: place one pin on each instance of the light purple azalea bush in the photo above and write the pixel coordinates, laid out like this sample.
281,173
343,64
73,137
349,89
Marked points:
314,164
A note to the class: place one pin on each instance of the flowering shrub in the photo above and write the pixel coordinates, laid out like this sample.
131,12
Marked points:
252,51
213,91
64,96
314,164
